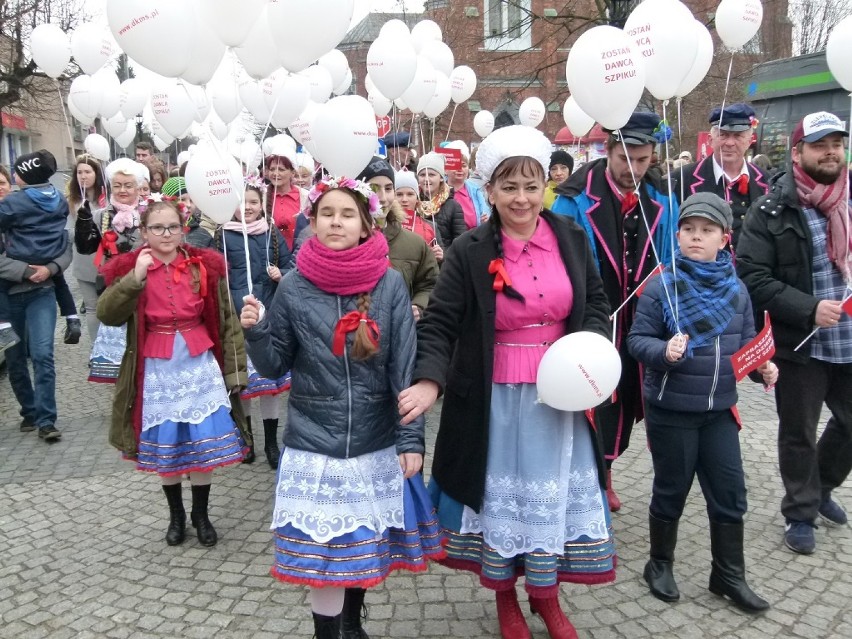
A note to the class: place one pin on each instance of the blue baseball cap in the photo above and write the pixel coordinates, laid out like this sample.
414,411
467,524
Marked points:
735,117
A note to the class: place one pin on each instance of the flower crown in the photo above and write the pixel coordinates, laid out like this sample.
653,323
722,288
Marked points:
256,182
359,187
183,211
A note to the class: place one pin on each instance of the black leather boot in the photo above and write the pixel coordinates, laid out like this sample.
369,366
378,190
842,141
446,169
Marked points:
270,442
326,627
727,577
200,521
176,532
249,458
658,571
73,330
353,603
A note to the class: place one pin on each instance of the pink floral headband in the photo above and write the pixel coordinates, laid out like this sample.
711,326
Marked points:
359,187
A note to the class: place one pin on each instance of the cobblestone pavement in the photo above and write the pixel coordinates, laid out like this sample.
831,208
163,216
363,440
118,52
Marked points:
82,551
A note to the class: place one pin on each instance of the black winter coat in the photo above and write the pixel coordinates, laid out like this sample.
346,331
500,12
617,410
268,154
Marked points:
263,287
456,347
775,260
450,222
337,406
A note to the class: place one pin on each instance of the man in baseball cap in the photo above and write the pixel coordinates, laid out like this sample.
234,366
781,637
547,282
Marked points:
796,260
727,173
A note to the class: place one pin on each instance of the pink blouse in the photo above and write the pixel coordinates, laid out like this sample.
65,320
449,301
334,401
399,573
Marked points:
173,307
461,196
524,330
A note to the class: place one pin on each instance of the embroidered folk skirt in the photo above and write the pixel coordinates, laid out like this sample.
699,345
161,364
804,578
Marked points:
107,352
545,514
186,415
259,386
350,522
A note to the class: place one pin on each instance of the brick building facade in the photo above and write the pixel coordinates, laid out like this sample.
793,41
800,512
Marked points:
518,49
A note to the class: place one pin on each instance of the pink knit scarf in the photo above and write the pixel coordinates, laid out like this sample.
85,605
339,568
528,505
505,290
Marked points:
258,227
126,215
830,200
348,272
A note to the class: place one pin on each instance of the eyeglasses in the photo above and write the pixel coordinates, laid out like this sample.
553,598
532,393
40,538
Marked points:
126,186
159,229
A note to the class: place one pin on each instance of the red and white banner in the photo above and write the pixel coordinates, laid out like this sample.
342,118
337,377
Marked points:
756,353
452,158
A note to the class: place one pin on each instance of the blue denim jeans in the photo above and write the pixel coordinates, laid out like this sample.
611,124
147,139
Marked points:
33,316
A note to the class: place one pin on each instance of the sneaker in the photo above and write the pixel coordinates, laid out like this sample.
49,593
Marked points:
832,512
72,331
8,338
49,433
799,537
82,307
27,426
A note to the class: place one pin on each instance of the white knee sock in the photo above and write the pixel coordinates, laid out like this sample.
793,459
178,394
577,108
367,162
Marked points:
270,406
201,479
171,480
327,601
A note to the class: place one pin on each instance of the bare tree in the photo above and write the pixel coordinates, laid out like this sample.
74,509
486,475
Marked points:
22,85
813,21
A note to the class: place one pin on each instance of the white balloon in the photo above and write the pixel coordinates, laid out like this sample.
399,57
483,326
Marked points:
160,133
247,152
259,53
160,143
115,125
106,83
226,101
440,99
532,112
289,96
173,107
97,145
440,55
85,95
141,27
344,86
703,59
50,49
400,104
344,135
182,157
483,123
281,145
201,101
422,88
462,84
301,127
132,97
305,31
838,53
215,182
606,75
207,53
320,83
85,120
251,95
392,64
215,125
395,28
738,21
336,64
127,136
232,21
662,33
578,372
381,105
577,120
424,32
92,46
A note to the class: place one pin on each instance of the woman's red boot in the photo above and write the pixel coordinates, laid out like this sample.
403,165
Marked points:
558,626
512,622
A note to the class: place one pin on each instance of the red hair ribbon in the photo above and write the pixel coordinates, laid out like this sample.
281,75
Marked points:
741,183
349,323
629,202
501,276
202,273
107,247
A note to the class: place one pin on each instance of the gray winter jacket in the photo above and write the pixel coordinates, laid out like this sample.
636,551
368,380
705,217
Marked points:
19,272
339,407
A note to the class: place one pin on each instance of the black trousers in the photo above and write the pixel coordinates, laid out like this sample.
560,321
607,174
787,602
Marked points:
615,421
64,298
811,469
684,445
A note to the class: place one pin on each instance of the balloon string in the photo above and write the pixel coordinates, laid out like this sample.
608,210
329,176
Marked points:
727,86
846,160
680,144
422,137
432,140
671,197
452,117
65,115
648,228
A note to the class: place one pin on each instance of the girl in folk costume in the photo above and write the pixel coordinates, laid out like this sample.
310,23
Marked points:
284,200
183,369
99,236
268,258
350,503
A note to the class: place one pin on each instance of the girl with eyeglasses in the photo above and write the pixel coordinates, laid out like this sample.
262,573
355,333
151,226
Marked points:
176,410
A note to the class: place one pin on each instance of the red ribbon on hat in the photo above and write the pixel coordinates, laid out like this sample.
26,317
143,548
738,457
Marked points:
501,276
202,273
349,323
629,202
107,247
741,184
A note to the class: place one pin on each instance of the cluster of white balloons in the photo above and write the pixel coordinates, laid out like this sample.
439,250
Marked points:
662,48
415,70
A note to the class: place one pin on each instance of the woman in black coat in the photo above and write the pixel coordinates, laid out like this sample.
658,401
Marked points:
518,485
437,203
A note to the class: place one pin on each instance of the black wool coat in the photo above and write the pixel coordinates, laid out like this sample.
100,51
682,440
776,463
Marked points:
455,347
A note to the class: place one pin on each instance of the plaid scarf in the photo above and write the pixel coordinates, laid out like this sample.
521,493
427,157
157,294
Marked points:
706,294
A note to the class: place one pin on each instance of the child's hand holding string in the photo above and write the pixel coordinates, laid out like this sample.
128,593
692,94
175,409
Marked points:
676,347
251,313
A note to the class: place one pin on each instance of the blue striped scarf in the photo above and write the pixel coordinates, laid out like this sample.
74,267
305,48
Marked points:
706,295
